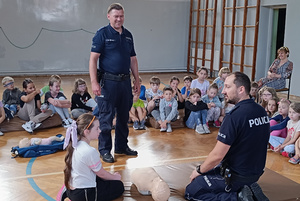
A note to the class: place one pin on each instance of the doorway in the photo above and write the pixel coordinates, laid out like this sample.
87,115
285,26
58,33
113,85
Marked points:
279,15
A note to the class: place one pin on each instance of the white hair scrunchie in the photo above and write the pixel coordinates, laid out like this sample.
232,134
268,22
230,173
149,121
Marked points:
71,133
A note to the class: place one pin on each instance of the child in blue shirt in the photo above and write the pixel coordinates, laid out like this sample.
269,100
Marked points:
185,91
143,90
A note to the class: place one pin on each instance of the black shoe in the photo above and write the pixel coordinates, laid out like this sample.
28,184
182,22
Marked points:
107,157
258,193
127,151
245,194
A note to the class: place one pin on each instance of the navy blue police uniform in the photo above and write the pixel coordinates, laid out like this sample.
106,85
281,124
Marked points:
115,51
246,129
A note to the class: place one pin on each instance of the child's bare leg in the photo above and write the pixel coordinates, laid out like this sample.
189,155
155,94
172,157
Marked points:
150,106
132,114
297,149
140,113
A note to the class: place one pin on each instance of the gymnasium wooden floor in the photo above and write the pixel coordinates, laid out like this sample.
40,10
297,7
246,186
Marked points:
40,178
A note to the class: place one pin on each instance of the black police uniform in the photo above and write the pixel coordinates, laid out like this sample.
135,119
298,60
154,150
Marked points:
115,51
246,129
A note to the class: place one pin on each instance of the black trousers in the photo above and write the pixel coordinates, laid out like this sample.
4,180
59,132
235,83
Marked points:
106,190
116,98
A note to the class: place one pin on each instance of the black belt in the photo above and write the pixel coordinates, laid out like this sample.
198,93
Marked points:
230,176
119,77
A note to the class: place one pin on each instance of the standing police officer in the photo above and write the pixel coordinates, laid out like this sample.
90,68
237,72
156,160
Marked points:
113,47
233,167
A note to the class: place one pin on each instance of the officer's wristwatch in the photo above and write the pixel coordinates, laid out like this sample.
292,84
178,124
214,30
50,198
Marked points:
198,169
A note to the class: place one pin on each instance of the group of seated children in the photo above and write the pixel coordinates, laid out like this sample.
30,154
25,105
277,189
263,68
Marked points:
284,123
28,106
200,100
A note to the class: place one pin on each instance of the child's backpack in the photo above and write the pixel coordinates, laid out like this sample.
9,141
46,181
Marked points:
37,150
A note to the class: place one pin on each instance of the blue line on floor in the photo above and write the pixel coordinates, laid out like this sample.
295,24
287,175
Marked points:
33,184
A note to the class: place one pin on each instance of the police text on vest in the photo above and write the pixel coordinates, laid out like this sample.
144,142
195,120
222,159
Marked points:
258,121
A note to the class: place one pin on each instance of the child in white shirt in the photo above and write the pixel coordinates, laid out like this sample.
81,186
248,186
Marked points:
85,177
201,82
287,145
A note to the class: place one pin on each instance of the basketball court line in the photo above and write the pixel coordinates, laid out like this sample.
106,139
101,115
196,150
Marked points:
115,166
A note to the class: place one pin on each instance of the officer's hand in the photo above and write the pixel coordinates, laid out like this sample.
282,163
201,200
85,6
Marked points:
96,89
137,87
194,175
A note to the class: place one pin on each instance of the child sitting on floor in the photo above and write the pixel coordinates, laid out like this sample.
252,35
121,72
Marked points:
46,88
272,107
254,90
174,82
11,94
265,94
296,158
153,95
196,112
214,103
30,107
137,113
58,103
81,100
185,91
223,73
142,91
2,115
226,108
287,145
84,175
168,110
279,122
201,82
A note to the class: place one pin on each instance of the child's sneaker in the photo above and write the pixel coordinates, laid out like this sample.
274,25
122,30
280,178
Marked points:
1,134
163,129
136,125
169,128
206,129
142,126
70,120
217,124
28,126
35,125
66,123
199,129
285,154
